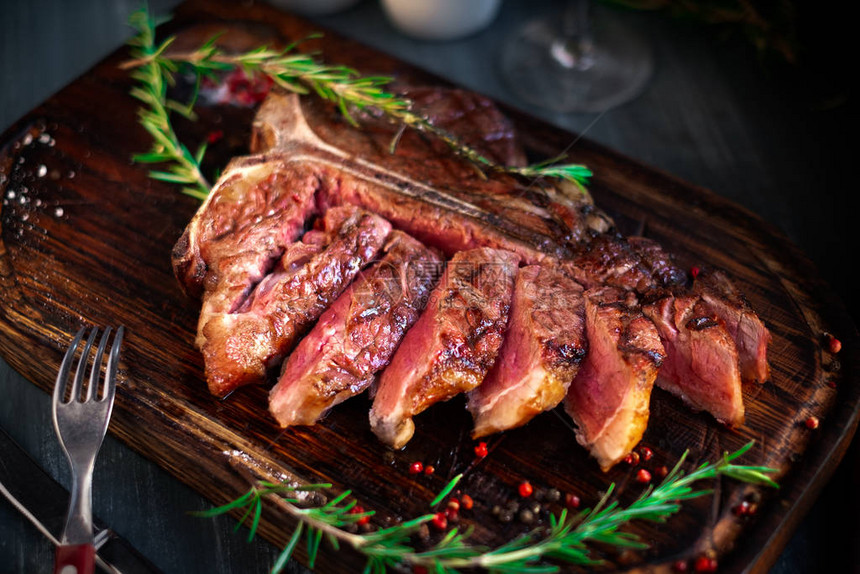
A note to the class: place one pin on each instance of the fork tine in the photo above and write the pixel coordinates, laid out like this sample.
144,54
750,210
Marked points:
82,365
95,372
113,364
65,367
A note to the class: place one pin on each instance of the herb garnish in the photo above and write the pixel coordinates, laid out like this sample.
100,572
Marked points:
566,539
155,70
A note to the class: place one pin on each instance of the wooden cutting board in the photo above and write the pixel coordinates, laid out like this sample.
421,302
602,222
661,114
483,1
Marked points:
86,239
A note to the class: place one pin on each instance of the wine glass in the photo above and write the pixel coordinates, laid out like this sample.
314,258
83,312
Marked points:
579,61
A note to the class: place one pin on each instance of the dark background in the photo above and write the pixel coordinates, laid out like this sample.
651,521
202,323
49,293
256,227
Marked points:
769,134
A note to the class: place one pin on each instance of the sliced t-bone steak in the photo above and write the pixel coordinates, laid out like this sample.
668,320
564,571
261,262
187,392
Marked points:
609,397
701,365
742,323
543,348
452,345
357,336
240,348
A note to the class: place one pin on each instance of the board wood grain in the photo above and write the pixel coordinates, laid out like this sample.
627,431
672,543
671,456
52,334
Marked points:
86,238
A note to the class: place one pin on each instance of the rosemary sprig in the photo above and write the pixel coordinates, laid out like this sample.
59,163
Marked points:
153,78
566,539
296,72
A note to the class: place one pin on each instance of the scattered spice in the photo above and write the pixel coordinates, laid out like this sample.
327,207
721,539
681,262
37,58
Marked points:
454,504
439,521
643,476
746,508
466,502
358,509
416,467
834,345
571,500
481,450
525,489
646,453
429,469
680,566
553,495
632,458
526,516
694,271
812,423
215,136
661,471
705,564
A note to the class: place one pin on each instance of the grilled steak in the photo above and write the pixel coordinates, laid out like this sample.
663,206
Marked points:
743,325
357,336
239,348
608,399
452,345
543,348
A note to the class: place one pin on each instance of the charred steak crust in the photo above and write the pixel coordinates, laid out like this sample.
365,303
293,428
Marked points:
475,119
357,336
452,345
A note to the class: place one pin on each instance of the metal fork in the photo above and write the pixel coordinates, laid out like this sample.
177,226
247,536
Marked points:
81,421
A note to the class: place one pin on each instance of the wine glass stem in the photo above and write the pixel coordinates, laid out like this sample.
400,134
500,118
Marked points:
574,48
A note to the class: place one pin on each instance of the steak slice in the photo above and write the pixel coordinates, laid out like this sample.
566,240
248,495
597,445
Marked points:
239,348
357,336
256,209
701,365
746,329
543,348
452,345
609,397
743,325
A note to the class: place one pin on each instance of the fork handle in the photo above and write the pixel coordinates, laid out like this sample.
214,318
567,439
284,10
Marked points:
75,559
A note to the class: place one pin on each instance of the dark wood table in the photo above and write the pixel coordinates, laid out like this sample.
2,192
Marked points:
774,141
